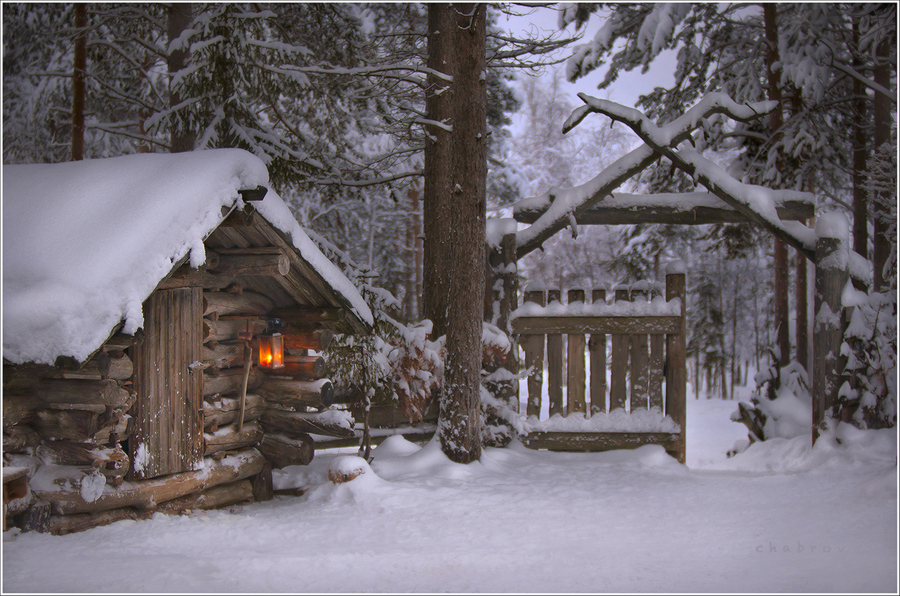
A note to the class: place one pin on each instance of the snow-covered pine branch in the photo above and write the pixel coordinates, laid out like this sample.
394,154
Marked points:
754,202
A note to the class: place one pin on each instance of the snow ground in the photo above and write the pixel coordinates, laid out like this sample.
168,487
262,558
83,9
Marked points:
780,517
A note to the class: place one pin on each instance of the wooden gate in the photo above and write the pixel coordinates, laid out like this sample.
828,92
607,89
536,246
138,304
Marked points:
644,336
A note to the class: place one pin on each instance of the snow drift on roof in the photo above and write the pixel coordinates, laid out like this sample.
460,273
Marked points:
85,243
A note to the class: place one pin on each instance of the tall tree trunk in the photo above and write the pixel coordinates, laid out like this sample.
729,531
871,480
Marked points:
78,72
413,234
179,19
735,365
776,120
882,244
460,424
436,199
860,195
802,312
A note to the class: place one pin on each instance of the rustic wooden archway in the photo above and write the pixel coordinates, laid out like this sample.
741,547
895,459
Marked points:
782,213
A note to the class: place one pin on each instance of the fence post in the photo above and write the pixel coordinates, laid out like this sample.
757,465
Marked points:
619,348
676,372
575,376
533,345
832,260
555,362
597,346
508,303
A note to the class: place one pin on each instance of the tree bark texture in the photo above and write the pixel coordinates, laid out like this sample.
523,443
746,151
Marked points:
882,244
860,194
436,192
78,92
460,424
179,19
776,120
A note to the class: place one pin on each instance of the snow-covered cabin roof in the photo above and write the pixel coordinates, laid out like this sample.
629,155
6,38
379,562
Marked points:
85,243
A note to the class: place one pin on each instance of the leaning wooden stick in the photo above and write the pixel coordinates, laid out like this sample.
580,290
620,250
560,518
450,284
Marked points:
248,352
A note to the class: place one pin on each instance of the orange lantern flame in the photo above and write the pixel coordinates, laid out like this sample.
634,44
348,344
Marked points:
271,350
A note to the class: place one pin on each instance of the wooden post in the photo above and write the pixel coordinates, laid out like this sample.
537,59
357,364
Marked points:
619,373
508,303
575,364
676,371
640,362
534,360
554,363
832,258
597,346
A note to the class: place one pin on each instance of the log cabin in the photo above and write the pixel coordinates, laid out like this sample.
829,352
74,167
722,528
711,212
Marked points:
163,315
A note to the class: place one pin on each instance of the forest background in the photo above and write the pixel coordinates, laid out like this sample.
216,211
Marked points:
332,97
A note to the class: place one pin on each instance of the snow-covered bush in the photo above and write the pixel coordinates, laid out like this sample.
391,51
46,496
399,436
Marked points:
868,396
414,365
500,420
781,405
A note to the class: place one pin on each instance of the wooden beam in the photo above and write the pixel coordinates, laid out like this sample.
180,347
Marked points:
597,441
252,262
695,165
304,317
186,277
683,209
651,325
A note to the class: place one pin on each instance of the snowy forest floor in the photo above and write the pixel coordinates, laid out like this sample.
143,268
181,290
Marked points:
780,517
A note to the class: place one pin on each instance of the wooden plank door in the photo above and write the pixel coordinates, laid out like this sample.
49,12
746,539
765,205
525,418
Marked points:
168,431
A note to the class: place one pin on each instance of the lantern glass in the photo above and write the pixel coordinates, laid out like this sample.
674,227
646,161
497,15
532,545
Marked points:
271,350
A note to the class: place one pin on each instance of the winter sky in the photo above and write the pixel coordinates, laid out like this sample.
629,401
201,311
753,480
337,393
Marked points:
542,21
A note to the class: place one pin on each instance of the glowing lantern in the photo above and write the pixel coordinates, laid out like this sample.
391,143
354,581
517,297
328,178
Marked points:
271,350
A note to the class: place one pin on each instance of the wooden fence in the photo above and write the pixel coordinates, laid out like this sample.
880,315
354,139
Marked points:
641,339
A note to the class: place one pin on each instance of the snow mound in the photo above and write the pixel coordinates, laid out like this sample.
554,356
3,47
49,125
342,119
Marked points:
346,468
618,420
395,446
845,448
428,461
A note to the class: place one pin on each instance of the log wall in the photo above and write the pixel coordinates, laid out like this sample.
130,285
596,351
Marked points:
80,419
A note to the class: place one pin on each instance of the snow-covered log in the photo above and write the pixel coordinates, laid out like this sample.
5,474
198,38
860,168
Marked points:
225,410
112,462
285,451
71,491
295,393
224,382
331,423
229,438
212,498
